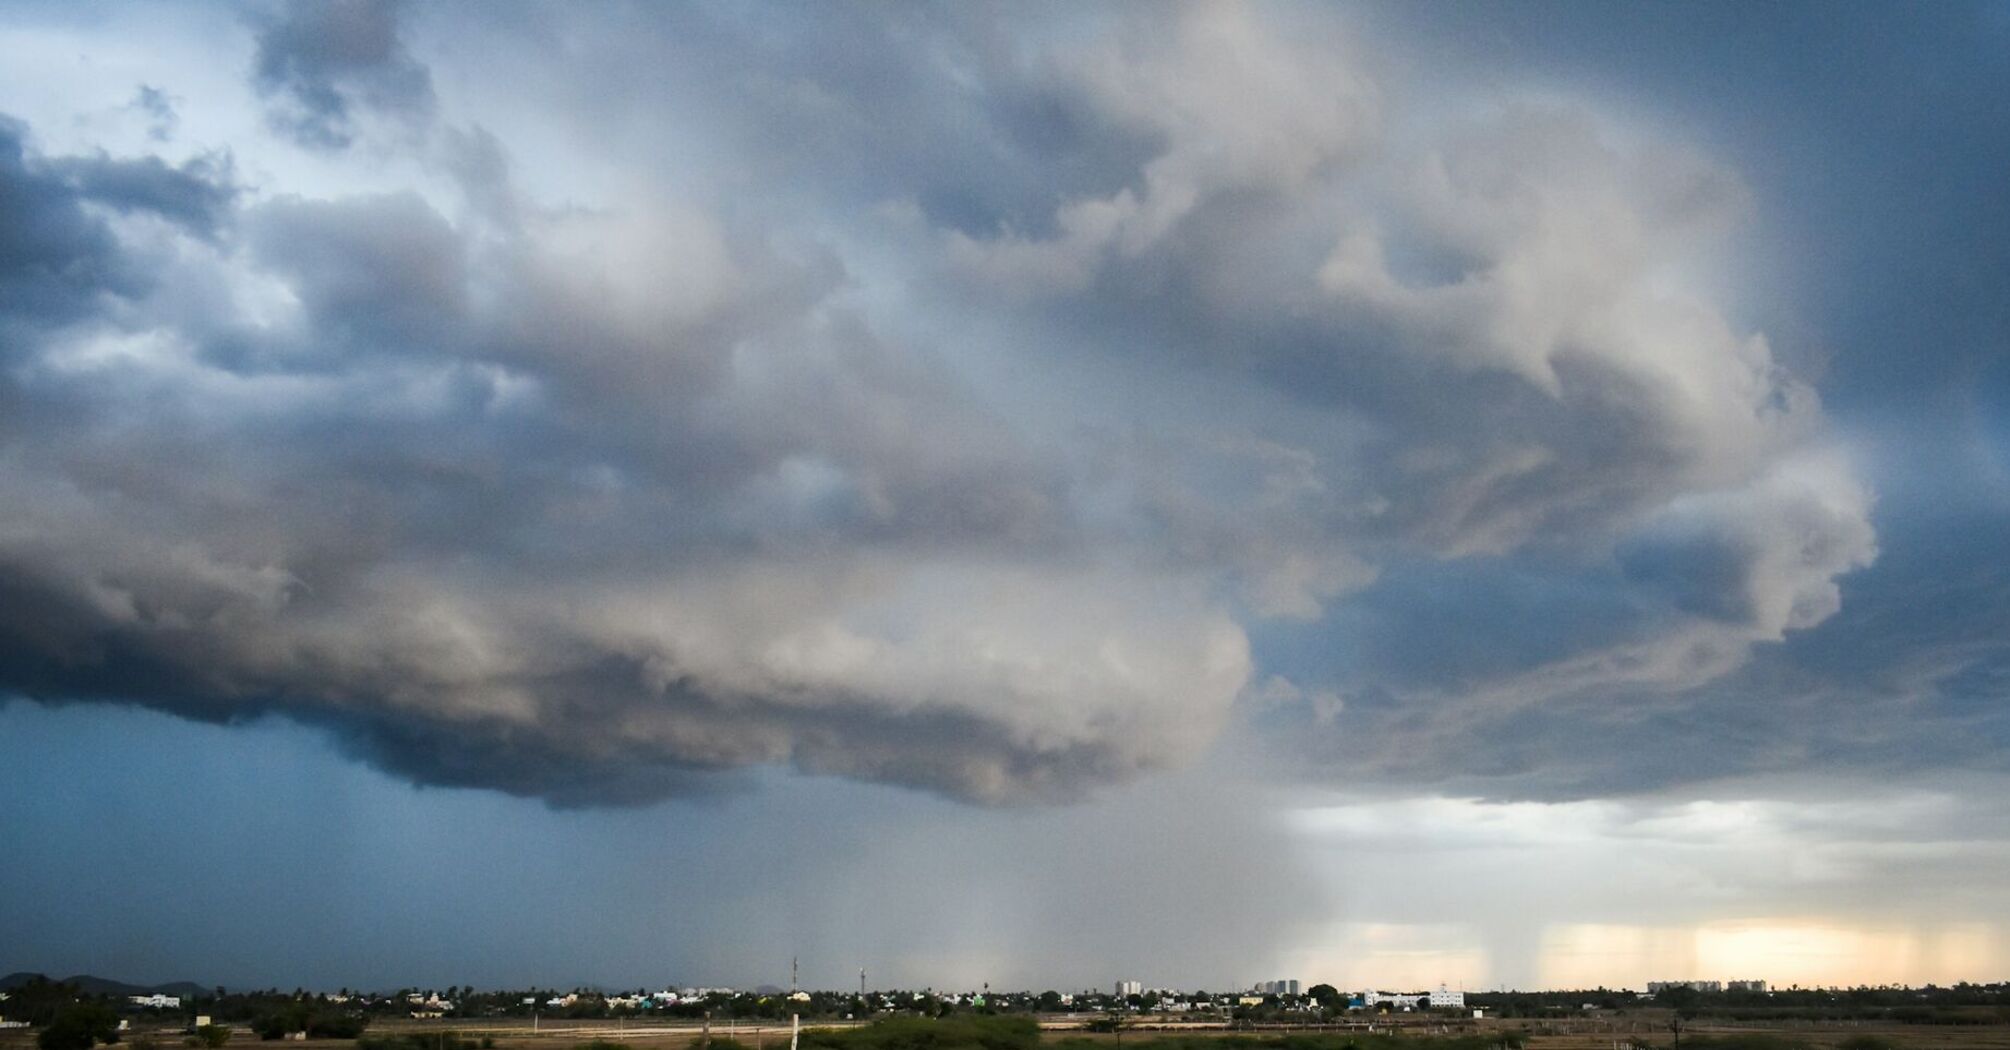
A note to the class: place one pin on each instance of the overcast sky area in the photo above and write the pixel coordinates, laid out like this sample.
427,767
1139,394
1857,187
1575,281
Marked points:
1500,495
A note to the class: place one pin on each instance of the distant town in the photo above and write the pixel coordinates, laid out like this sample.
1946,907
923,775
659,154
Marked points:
86,1013
30,1000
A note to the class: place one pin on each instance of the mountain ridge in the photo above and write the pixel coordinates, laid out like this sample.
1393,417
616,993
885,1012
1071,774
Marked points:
94,985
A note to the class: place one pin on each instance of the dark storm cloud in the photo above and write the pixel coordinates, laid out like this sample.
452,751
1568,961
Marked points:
55,258
950,108
1902,679
381,273
911,396
586,507
58,256
325,65
195,195
1479,334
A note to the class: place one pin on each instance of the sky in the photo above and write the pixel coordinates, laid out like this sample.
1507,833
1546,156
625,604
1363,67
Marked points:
1501,495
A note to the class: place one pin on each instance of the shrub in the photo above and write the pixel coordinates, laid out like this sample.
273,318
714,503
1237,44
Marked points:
80,1026
299,1017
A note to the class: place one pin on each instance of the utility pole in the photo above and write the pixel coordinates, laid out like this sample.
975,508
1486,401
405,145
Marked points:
792,975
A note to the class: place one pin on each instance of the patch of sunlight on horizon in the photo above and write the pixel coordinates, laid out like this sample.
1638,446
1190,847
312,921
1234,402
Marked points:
1781,951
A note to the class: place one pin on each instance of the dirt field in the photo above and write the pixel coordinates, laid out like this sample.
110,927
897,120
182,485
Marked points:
509,1034
1586,1034
1609,1033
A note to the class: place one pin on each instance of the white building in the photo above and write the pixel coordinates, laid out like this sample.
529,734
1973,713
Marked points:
1657,987
1446,997
157,1001
1128,988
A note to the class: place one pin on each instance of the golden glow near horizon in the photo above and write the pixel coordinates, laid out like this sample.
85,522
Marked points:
1784,952
1779,890
1781,951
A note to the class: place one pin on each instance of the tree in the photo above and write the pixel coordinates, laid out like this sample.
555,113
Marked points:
80,1026
298,1017
278,1023
39,1001
212,1035
1682,999
1324,994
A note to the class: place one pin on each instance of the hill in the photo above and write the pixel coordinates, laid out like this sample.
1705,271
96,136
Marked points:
90,985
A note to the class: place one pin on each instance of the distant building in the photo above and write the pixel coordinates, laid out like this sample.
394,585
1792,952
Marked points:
157,1001
1444,997
1130,988
1657,987
1745,986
